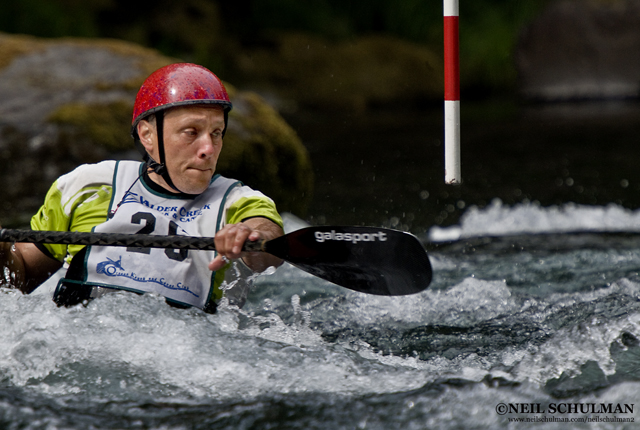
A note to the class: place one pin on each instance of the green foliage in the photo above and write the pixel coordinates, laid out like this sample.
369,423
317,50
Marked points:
489,32
489,29
204,31
51,18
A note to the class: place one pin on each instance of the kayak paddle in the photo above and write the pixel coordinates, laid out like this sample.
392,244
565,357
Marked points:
366,259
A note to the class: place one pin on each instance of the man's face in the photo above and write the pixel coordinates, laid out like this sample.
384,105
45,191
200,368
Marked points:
192,145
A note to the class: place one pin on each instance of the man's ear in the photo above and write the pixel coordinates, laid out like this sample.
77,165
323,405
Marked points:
146,132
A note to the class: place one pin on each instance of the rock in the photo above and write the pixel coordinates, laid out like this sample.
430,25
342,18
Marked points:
69,101
346,75
580,49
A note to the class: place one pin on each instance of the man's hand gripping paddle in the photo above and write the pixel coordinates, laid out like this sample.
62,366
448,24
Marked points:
365,259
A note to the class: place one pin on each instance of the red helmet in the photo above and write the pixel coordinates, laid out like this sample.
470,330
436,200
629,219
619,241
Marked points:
178,84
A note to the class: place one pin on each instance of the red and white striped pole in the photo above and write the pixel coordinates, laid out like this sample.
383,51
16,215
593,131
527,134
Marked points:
452,173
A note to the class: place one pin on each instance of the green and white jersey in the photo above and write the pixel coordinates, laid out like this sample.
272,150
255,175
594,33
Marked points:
82,199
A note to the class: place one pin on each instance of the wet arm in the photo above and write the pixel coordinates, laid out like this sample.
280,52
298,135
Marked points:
26,265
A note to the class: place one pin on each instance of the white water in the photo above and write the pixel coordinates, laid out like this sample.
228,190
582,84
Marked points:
128,348
530,218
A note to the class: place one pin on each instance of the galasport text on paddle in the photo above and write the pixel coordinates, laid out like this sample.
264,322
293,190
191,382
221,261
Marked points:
366,259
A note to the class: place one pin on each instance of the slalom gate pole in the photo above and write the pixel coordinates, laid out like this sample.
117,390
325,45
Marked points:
452,171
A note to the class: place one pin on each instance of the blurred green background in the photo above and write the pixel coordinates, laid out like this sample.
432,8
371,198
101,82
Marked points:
209,31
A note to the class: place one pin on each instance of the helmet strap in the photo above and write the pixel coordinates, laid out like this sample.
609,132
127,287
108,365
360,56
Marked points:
226,121
161,167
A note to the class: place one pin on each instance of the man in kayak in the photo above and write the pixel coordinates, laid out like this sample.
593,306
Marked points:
180,117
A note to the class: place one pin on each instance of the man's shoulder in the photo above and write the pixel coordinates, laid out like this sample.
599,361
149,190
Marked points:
218,179
243,202
84,181
89,174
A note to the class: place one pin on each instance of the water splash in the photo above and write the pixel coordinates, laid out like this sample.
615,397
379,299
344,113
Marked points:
530,218
486,332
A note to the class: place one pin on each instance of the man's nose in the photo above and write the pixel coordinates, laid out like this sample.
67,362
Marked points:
206,147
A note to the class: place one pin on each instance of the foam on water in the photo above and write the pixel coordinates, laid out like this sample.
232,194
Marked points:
123,342
497,219
301,336
464,304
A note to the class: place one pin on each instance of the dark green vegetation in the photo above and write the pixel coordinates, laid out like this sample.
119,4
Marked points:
212,32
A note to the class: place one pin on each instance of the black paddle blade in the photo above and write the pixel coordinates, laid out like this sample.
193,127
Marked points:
365,259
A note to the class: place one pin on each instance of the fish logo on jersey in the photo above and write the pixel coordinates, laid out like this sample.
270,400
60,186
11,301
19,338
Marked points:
110,267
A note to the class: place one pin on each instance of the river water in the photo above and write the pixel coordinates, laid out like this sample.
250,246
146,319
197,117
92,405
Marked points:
533,314
544,319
